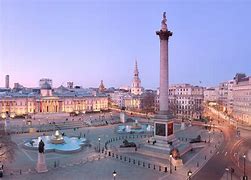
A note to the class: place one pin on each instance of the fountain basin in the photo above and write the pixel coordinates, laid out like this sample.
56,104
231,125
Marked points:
140,128
70,144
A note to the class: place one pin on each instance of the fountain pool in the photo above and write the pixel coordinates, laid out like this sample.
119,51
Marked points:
65,145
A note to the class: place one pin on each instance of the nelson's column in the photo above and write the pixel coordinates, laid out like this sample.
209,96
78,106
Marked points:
163,124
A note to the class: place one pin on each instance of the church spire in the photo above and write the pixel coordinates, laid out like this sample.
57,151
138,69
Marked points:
136,71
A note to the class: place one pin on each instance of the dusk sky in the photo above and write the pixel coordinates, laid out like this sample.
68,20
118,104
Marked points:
88,41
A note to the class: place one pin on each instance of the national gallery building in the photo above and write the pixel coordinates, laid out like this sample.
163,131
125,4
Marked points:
48,100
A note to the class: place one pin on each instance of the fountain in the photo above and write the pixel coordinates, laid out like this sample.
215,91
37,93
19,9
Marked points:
136,127
57,143
57,138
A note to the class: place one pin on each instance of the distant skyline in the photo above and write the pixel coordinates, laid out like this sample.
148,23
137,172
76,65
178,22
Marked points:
88,41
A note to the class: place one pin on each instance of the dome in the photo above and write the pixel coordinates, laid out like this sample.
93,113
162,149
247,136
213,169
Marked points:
46,85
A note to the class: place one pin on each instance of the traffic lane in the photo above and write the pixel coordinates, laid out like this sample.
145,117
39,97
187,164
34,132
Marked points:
215,167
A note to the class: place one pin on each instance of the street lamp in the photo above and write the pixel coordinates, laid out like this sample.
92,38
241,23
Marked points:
114,174
189,173
210,125
244,177
170,163
227,169
98,144
209,136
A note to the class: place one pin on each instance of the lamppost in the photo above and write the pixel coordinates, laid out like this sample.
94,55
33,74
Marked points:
231,173
210,124
189,173
244,170
170,160
114,174
98,144
209,136
227,169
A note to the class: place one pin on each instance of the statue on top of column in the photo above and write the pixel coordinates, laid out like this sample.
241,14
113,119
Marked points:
163,22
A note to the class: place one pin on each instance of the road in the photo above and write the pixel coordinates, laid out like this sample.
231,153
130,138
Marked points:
226,156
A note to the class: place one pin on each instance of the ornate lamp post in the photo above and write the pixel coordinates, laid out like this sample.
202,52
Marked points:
189,173
114,174
170,160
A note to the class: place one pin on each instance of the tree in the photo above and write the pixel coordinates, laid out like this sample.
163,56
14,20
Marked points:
147,102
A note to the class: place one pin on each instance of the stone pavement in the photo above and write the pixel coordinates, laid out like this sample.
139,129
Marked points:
98,170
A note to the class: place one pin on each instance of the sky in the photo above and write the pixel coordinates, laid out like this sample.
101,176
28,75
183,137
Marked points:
88,41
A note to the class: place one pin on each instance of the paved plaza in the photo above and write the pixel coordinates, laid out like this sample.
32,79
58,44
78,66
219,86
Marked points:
89,164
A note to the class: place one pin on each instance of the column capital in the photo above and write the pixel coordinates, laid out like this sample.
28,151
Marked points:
164,35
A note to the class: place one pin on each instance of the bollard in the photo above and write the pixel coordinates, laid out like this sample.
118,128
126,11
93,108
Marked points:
165,169
174,168
154,166
134,161
149,165
109,153
129,160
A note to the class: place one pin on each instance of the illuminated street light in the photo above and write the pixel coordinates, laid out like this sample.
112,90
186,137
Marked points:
227,169
244,176
189,173
98,144
170,163
114,174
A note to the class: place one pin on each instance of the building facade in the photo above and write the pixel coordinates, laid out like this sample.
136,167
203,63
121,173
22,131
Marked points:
211,94
242,98
185,101
47,101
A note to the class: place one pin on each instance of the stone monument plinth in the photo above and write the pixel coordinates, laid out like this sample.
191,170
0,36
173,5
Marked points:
41,165
122,117
183,125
